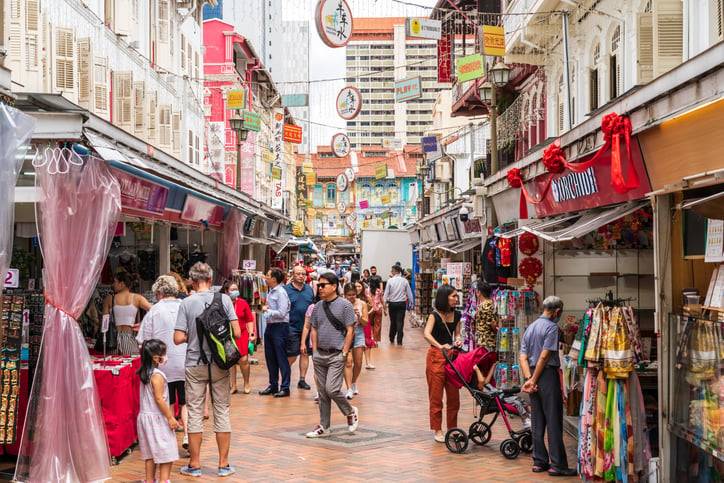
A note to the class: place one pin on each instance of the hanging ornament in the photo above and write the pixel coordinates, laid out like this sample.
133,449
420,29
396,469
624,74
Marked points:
528,244
530,268
515,180
554,158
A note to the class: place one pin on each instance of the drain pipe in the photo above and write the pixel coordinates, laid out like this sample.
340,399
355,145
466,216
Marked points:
567,64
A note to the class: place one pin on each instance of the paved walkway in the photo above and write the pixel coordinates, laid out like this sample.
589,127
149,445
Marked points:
393,441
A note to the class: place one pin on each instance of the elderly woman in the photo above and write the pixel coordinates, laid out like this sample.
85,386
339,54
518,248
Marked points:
124,306
159,324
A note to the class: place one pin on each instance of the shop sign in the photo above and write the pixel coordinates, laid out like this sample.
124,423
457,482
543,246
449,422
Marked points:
349,102
248,264
235,99
276,172
311,179
216,138
301,185
444,58
381,171
571,192
349,173
364,204
408,89
470,67
267,156
333,19
307,167
471,228
140,194
278,150
394,144
293,134
714,241
423,28
341,206
340,145
429,144
295,100
342,182
12,278
444,262
252,121
246,183
493,40
198,210
455,269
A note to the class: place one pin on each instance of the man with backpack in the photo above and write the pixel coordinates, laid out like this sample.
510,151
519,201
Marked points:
203,365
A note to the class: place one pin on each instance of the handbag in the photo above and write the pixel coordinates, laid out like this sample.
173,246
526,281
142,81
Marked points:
111,335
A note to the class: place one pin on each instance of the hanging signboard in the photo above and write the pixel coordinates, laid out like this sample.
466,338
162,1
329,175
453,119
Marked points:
423,28
278,183
342,183
235,99
349,102
276,172
293,133
493,40
267,156
408,89
385,199
341,206
252,121
429,144
394,144
364,204
295,100
333,19
311,179
470,67
349,172
215,138
199,210
381,171
340,145
444,58
307,167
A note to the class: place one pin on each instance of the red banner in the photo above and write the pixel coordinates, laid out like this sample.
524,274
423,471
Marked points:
293,134
570,191
444,58
141,194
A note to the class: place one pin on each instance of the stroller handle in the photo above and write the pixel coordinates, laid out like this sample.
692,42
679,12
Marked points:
455,351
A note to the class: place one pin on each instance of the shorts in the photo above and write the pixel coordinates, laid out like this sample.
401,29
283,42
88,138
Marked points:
177,392
197,379
359,337
294,343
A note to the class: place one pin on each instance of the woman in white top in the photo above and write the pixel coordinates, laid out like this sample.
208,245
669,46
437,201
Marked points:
159,324
125,306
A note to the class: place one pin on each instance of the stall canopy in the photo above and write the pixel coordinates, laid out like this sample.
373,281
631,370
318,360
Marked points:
711,206
575,225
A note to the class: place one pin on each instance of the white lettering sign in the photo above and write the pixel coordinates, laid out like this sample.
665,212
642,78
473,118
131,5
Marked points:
575,185
12,278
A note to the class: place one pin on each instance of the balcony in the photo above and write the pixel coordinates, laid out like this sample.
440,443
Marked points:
466,100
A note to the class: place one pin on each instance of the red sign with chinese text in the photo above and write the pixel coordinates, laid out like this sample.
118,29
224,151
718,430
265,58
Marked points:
293,134
580,191
444,58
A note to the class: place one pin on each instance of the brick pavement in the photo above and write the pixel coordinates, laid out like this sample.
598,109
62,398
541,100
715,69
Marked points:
393,441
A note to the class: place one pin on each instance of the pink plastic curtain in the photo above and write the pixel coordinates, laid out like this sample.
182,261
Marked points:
64,438
229,249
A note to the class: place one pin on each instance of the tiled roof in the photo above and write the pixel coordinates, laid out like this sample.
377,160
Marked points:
366,25
330,167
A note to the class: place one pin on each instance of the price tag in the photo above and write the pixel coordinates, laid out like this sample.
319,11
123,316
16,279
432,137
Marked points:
12,278
248,265
105,323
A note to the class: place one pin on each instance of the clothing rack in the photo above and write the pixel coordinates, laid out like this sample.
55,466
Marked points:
609,301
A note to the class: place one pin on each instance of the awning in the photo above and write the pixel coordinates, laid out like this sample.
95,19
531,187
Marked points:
541,224
250,240
466,245
587,221
709,207
447,246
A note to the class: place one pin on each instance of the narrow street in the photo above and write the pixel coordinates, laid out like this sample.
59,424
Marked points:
393,441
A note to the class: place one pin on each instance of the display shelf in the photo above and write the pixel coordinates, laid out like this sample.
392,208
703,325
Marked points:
687,435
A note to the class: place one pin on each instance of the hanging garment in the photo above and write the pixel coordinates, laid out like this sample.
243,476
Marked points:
593,345
617,356
634,335
586,425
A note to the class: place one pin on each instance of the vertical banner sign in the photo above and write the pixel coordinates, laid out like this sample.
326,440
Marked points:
215,139
278,184
247,165
301,186
493,41
444,59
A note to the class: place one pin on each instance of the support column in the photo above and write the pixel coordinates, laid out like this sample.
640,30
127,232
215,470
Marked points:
164,248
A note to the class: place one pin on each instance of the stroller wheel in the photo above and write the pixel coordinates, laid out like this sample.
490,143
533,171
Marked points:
526,443
456,440
510,449
479,433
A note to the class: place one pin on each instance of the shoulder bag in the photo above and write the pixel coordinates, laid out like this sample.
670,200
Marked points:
336,323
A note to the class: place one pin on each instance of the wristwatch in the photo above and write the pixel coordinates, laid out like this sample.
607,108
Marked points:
344,355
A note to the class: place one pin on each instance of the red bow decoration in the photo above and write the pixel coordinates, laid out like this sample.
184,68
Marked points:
613,127
530,268
515,180
554,159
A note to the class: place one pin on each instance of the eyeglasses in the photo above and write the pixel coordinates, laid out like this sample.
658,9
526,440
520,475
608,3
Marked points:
322,285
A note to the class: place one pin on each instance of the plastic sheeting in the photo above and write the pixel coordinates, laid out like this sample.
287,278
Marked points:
15,131
64,438
229,248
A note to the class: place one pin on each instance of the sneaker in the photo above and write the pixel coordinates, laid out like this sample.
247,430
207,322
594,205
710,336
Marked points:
353,419
526,423
439,438
350,393
185,443
302,384
354,389
188,471
227,470
316,396
319,432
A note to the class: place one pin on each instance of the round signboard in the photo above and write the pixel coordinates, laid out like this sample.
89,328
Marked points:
341,206
351,222
340,145
342,182
349,172
333,19
349,102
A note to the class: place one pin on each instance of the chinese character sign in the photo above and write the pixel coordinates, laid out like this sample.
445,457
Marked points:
333,19
278,150
349,101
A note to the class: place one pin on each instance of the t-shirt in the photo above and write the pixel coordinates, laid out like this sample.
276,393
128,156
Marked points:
159,324
328,337
300,300
191,307
541,335
375,282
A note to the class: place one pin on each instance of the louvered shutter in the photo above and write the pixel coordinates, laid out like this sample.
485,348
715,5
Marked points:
123,98
183,52
64,60
152,116
719,19
176,125
139,106
645,47
668,35
32,33
164,125
85,76
100,86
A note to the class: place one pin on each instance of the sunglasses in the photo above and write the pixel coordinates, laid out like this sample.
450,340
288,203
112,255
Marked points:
322,285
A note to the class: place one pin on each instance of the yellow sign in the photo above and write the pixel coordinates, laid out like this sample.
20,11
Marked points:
307,168
311,179
493,41
235,99
385,199
311,212
267,156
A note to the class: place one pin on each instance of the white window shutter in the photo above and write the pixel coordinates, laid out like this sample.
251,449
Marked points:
100,86
124,22
164,125
645,47
31,15
85,75
152,116
176,125
139,107
123,98
183,52
64,60
719,19
668,35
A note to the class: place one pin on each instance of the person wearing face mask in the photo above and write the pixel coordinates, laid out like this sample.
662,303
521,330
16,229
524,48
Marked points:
540,364
246,324
159,324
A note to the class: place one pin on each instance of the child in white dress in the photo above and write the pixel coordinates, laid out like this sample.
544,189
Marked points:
156,422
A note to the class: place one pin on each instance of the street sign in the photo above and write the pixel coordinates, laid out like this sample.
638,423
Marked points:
12,278
252,121
423,28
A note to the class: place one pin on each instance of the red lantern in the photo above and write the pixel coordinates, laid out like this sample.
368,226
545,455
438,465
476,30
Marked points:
528,243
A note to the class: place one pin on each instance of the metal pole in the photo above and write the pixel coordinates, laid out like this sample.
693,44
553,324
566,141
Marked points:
567,61
238,162
493,133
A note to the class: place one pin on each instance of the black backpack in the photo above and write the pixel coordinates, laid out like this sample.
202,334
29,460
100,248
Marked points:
214,326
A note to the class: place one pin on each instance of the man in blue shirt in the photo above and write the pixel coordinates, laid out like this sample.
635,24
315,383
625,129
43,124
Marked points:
541,364
301,297
276,311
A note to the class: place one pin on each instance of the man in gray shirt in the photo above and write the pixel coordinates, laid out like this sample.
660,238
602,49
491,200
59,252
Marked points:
200,375
332,321
398,296
540,364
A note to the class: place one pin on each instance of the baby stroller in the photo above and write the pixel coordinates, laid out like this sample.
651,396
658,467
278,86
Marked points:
460,370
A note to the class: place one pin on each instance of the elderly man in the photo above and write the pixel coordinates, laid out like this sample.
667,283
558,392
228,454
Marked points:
275,336
200,375
540,364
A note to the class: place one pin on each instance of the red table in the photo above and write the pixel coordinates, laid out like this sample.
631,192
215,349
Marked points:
118,391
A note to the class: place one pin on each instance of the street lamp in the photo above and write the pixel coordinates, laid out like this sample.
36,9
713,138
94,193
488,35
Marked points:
422,171
500,75
236,123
